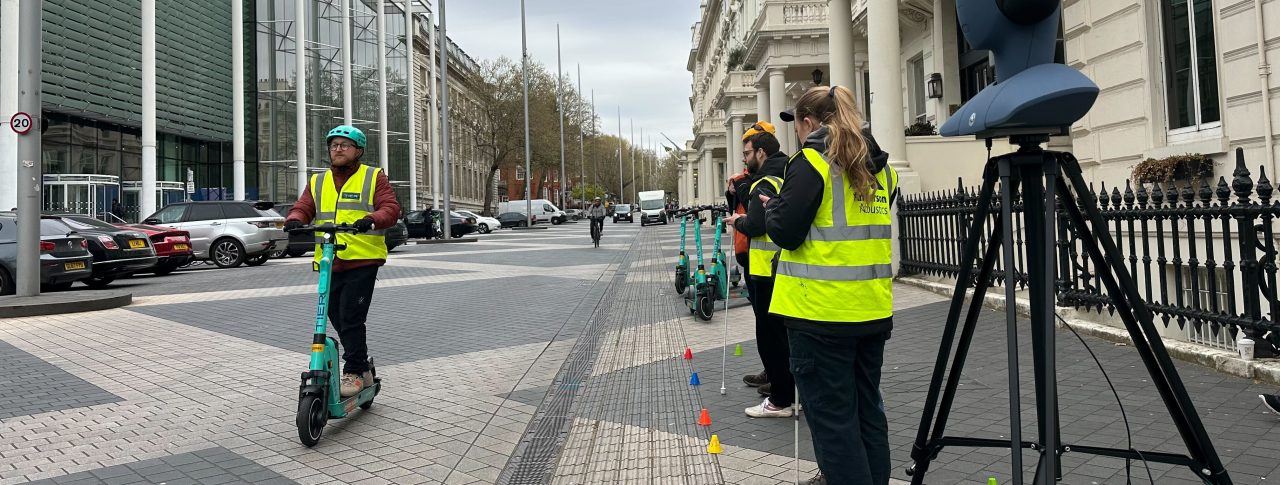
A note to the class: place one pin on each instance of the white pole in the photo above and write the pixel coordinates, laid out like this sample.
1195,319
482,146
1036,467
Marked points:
28,147
560,107
300,88
582,142
619,154
9,27
383,134
528,152
432,114
444,125
633,160
348,98
237,98
410,36
147,198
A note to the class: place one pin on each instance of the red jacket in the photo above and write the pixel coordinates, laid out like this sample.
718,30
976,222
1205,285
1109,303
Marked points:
386,211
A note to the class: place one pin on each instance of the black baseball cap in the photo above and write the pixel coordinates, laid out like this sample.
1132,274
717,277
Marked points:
788,115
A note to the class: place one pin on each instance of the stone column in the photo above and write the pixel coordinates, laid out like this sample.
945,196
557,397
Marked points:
778,103
840,20
734,145
860,75
762,104
884,48
708,179
946,57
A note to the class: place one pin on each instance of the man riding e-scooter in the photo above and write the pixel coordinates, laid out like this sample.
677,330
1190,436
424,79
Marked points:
356,194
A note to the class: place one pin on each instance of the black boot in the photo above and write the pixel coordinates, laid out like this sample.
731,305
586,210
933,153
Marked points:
756,380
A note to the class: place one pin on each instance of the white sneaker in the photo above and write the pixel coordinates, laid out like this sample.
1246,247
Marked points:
768,410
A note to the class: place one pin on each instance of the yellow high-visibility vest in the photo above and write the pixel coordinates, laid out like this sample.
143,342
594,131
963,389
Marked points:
352,203
843,270
761,249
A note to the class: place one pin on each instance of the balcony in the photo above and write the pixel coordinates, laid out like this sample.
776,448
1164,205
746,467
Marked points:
791,15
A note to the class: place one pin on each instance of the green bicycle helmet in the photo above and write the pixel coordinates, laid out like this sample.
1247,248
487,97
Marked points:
350,132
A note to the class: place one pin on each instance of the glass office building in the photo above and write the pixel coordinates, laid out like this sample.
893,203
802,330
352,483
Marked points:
92,97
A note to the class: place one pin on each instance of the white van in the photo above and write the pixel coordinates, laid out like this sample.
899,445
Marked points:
543,210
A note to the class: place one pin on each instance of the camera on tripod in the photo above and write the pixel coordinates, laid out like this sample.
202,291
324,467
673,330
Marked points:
1032,95
1032,99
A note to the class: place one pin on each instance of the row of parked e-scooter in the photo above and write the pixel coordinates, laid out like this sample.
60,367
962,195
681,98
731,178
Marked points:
706,284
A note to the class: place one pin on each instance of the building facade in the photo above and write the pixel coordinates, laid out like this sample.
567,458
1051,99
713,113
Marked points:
1176,77
92,108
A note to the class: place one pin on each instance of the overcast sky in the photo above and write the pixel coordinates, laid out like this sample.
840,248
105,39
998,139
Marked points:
633,54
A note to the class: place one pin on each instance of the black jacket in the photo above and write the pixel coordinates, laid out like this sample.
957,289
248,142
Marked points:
753,224
791,213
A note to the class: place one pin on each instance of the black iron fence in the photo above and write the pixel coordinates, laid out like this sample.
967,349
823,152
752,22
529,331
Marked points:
1203,254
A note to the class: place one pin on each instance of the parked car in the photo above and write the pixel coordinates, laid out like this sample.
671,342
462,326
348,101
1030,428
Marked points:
173,247
64,256
483,224
514,219
116,252
574,214
397,235
299,243
623,211
422,224
229,233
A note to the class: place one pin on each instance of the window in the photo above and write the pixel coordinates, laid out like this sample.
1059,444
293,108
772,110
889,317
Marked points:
1191,72
239,211
205,212
519,173
171,214
916,71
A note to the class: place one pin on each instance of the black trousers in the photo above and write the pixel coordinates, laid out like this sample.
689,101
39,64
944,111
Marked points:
350,293
839,380
772,343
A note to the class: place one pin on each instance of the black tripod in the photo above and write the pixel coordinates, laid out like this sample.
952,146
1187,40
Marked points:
1047,179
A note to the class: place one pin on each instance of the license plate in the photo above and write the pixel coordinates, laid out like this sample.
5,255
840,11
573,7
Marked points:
137,244
181,247
73,265
279,225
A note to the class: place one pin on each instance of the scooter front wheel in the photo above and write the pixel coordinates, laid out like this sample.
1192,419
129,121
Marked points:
704,306
682,278
312,416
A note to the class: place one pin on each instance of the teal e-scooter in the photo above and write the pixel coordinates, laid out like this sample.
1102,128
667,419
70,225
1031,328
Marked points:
683,277
318,396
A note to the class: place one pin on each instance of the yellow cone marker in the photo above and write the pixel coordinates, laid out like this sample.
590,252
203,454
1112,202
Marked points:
714,446
992,481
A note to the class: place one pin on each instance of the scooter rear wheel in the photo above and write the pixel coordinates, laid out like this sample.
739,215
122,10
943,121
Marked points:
312,416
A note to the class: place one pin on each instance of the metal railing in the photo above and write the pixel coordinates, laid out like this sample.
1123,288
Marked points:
1203,255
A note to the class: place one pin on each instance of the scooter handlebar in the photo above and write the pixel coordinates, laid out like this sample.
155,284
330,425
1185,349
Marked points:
328,228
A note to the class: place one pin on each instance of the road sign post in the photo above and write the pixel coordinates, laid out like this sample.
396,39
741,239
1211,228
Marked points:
29,179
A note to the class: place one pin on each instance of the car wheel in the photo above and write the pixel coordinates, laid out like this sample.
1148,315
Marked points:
484,229
7,286
295,253
97,282
227,253
258,260
277,253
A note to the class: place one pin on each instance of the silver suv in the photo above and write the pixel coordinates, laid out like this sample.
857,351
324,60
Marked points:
226,232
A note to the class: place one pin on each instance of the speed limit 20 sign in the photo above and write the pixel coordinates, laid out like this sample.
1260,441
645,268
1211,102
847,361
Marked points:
20,123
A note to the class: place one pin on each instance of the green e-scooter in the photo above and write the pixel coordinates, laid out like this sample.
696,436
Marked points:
683,277
318,396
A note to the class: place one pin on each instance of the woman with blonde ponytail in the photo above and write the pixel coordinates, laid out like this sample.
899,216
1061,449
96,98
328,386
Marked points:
833,284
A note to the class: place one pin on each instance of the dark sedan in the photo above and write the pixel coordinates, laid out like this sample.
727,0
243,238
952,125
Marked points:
422,224
116,252
514,219
64,256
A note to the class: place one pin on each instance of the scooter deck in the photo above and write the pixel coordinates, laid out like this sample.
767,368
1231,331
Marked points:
344,407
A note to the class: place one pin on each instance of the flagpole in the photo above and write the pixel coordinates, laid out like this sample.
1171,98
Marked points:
560,108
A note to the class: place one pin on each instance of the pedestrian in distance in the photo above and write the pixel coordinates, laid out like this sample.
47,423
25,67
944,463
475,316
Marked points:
833,283
350,192
767,163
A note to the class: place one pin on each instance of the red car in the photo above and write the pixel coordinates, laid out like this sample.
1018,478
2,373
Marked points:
173,246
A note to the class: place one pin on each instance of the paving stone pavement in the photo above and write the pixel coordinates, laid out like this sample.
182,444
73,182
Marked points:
196,382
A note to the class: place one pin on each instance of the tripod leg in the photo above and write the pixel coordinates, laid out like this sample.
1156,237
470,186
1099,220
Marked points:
1008,187
922,451
1138,321
1038,200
